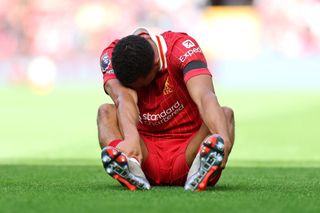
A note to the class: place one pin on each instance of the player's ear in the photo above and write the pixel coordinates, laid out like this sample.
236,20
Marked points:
156,60
156,56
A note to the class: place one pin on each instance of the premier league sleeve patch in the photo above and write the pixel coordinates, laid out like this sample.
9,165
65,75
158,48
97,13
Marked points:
105,63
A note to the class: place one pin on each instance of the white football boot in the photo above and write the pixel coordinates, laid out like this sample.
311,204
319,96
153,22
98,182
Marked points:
124,169
206,163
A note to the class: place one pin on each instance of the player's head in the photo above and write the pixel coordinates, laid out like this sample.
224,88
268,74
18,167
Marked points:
133,61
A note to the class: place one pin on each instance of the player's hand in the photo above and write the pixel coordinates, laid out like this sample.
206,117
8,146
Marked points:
131,149
227,150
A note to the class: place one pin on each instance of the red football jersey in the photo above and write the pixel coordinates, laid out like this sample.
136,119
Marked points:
166,108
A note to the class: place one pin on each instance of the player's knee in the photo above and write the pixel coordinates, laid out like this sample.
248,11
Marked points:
106,111
229,114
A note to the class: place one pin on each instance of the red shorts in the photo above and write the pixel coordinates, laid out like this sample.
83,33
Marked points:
166,162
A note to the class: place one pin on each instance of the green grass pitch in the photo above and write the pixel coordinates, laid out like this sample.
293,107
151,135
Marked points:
49,157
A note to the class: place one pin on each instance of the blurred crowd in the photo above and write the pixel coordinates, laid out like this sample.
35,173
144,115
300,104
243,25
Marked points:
62,28
69,35
41,38
292,27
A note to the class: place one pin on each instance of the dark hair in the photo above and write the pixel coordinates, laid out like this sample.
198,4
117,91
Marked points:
132,58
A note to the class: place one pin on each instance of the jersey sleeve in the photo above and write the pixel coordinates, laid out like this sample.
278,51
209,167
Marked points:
105,63
188,57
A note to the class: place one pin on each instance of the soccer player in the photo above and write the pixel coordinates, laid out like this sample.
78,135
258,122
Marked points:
166,126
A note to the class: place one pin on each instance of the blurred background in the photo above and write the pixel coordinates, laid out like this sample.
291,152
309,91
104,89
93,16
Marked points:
264,56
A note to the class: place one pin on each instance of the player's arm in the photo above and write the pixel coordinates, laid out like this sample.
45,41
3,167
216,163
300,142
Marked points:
125,100
201,91
189,58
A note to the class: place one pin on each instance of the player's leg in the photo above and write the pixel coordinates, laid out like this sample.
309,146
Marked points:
194,144
206,160
107,122
122,168
229,114
203,132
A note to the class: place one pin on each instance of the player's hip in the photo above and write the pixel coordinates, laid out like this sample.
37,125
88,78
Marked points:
166,163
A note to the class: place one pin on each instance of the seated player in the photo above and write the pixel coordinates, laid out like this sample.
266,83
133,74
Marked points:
166,126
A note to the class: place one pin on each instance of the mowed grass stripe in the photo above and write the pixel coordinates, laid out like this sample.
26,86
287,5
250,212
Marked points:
87,188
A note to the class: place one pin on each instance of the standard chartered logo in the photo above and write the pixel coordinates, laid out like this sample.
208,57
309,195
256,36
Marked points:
163,116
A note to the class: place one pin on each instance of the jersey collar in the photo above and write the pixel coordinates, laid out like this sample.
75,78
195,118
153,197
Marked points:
159,41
